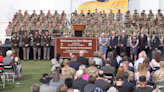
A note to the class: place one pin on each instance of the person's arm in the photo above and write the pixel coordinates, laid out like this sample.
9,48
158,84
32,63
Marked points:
116,41
137,43
146,43
18,60
131,43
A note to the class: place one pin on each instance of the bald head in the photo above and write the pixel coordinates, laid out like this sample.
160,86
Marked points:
123,32
81,53
113,32
101,73
142,32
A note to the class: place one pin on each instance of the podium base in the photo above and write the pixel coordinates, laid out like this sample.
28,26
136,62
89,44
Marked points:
78,33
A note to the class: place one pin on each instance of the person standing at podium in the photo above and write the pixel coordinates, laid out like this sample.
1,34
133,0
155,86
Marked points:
103,45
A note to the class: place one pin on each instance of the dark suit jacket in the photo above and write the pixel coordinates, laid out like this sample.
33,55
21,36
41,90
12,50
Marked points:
108,69
79,83
9,61
82,60
75,65
102,84
155,43
124,40
128,85
114,63
142,41
114,42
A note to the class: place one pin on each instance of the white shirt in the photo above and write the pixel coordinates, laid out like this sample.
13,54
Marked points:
118,58
140,60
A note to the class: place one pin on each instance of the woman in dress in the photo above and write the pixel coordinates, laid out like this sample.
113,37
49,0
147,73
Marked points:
17,63
103,45
133,46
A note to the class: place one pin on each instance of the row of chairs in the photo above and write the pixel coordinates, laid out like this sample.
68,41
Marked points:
4,73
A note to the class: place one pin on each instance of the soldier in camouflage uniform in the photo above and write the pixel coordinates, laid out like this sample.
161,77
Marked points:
159,74
47,45
68,71
15,40
8,30
92,70
87,31
66,32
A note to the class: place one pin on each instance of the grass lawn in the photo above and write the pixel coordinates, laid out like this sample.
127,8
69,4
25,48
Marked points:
32,71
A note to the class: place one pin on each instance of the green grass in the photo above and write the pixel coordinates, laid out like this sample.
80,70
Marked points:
32,71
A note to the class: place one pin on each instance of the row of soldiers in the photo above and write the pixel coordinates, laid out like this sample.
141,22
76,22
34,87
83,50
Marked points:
36,40
36,22
97,23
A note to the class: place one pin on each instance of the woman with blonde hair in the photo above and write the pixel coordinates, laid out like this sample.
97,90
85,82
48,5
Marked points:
85,75
16,58
134,46
144,54
103,41
142,71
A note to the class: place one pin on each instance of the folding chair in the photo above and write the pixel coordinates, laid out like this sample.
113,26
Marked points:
110,77
161,89
6,71
159,84
2,75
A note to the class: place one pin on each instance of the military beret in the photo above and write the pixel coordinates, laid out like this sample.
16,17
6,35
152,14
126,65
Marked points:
135,10
159,10
143,10
150,10
125,62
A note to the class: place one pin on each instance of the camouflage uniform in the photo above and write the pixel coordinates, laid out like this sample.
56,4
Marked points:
158,75
69,72
92,70
131,75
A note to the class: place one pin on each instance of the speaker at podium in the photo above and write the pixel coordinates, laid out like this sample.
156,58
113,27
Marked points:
78,30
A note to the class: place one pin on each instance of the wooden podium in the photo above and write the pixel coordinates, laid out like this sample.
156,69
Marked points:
78,30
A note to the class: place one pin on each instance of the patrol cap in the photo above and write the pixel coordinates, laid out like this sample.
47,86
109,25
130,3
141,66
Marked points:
91,61
119,10
125,62
161,63
142,79
66,61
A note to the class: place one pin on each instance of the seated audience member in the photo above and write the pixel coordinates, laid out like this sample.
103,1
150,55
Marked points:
9,61
125,68
142,71
92,70
90,87
160,53
107,68
62,88
139,60
101,82
66,70
156,60
156,90
120,71
35,88
56,82
85,76
79,83
98,61
82,59
69,83
112,89
101,57
146,63
54,64
118,58
119,83
17,63
142,81
128,85
125,58
74,64
113,60
62,77
45,84
159,74
144,54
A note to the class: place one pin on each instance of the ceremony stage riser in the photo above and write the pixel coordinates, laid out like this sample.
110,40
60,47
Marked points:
5,47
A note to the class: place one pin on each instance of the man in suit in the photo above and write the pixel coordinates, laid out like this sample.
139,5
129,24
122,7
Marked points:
74,64
127,85
113,42
9,61
113,61
142,41
104,85
26,41
123,42
107,68
82,59
119,84
79,83
154,44
45,84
